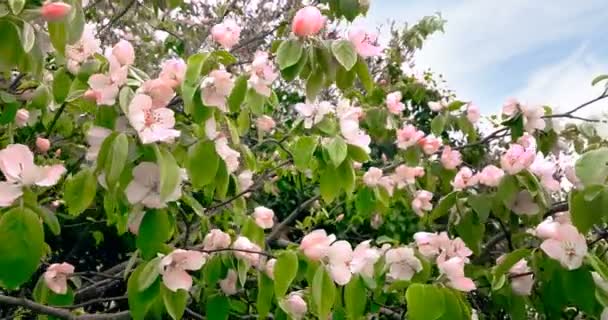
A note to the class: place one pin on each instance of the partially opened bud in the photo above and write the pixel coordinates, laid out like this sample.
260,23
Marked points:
54,11
43,145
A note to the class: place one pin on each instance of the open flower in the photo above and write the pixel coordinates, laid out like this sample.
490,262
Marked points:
422,202
524,204
405,175
408,136
56,277
372,177
366,44
533,117
216,239
152,124
437,106
313,113
246,250
145,187
473,114
262,73
393,102
226,33
402,263
264,217
340,254
567,246
516,159
545,170
105,87
490,176
315,244
430,244
453,269
450,159
158,90
245,180
81,51
363,259
174,265
216,88
464,179
229,155
228,284
17,165
430,144
173,72
95,137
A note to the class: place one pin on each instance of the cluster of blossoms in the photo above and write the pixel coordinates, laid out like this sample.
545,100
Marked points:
532,115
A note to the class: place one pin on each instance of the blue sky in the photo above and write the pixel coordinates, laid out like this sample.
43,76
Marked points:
539,51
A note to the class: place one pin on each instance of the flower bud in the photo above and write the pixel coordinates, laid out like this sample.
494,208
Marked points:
22,117
308,21
295,306
55,11
43,145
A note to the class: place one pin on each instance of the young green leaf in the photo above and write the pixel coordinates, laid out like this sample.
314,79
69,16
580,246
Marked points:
323,292
285,270
289,53
79,191
202,163
345,53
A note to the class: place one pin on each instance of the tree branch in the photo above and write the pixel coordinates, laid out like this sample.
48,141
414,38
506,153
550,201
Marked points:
58,312
276,231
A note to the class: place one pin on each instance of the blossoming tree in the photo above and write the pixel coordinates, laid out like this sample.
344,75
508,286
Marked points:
311,178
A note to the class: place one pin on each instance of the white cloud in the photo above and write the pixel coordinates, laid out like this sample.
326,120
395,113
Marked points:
567,83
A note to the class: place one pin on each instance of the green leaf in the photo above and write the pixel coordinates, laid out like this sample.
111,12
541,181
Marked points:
356,153
329,184
21,246
344,78
116,159
285,270
349,8
9,111
585,212
599,79
355,298
438,124
154,230
28,37
444,205
141,301
598,265
237,96
303,151
191,80
289,53
424,302
79,191
292,72
41,97
314,84
471,231
124,98
48,217
509,260
481,204
253,232
170,175
217,307
175,302
337,150
347,177
202,163
592,167
265,295
345,53
364,76
323,292
16,6
255,101
149,274
61,85
58,32
221,181
507,190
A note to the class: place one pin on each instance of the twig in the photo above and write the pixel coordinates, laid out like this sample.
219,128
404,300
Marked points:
49,131
90,302
58,312
117,17
290,218
194,314
262,253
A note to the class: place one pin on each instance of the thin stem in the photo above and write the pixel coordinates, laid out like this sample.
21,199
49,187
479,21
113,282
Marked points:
49,131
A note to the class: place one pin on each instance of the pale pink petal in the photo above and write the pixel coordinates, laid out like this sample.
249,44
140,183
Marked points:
50,175
175,279
9,192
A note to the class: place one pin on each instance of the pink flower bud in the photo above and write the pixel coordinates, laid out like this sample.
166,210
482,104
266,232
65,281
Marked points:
55,11
22,117
270,268
43,145
91,95
295,306
265,123
123,52
263,217
308,21
57,152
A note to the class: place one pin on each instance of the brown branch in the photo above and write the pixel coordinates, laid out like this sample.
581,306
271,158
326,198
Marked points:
94,301
58,312
276,231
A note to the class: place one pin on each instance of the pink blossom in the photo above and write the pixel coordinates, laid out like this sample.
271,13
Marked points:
430,144
545,170
453,269
308,21
376,221
316,244
265,123
353,134
22,117
340,254
159,91
422,202
521,285
229,155
295,306
216,239
402,263
366,44
56,277
393,102
516,159
245,250
490,176
388,184
174,265
313,113
173,72
95,137
81,51
437,106
408,136
269,268
527,141
145,187
364,259
263,74
405,175
264,217
372,177
245,179
43,145
429,244
216,87
464,179
567,246
228,284
17,165
103,90
450,159
211,129
55,11
570,175
473,113
453,248
549,227
152,124
533,117
124,53
226,33
510,107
